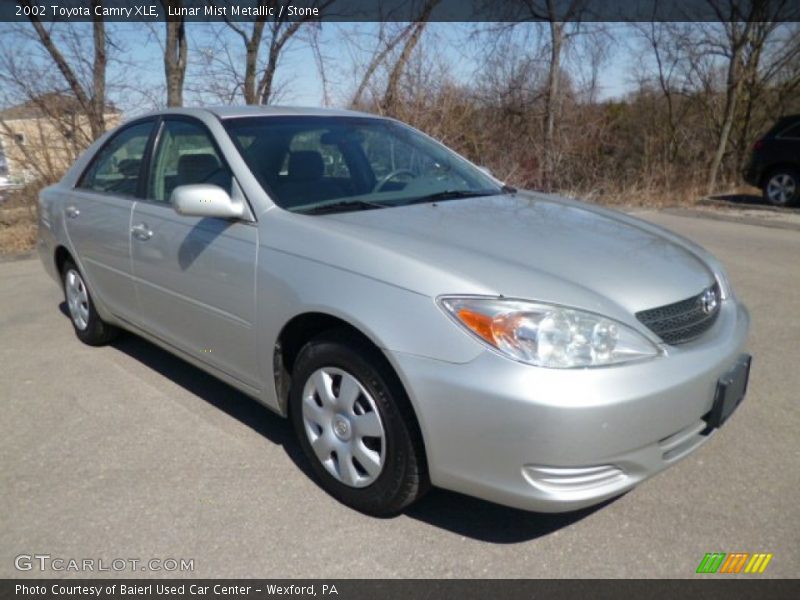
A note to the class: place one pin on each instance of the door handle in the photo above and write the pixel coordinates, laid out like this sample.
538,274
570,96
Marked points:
72,212
141,232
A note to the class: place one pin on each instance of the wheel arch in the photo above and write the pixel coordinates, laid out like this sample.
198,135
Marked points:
61,256
775,168
301,329
304,327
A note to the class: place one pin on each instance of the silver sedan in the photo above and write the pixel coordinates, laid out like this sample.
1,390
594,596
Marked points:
418,321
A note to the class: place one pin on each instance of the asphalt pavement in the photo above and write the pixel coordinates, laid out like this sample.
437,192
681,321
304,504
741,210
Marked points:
126,452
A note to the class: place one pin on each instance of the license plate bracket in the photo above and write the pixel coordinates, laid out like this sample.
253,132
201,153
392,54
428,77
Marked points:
731,389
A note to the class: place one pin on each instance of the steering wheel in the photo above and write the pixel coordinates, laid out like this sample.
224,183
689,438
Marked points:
387,178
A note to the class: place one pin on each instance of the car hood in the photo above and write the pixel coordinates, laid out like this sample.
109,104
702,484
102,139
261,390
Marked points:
523,246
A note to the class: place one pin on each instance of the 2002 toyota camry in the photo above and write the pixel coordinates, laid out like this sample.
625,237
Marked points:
418,321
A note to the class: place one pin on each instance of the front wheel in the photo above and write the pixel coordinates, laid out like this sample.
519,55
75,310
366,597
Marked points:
355,425
782,187
89,327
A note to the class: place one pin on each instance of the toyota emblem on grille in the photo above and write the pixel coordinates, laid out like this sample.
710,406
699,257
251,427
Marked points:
708,301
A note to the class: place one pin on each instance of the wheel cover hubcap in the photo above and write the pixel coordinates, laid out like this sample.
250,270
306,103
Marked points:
77,299
343,426
781,188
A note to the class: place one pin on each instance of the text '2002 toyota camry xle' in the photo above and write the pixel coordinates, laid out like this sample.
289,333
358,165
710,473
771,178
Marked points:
418,321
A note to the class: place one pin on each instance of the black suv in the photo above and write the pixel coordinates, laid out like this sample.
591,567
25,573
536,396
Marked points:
775,163
3,162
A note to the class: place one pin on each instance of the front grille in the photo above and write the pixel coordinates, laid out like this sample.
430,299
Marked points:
685,320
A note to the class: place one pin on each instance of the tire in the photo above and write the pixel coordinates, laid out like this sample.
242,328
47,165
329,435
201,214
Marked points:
369,453
782,187
88,325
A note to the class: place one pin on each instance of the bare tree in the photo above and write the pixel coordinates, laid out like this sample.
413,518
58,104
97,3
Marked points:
396,42
530,109
91,98
563,20
746,27
176,53
319,59
660,38
386,46
258,79
770,73
737,35
411,37
557,23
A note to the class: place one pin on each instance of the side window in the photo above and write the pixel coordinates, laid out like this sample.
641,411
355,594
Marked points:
186,155
116,168
793,133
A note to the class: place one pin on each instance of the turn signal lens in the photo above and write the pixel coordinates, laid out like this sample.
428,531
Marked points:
478,323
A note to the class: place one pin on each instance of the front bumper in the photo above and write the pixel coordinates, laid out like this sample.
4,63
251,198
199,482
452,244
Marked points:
555,440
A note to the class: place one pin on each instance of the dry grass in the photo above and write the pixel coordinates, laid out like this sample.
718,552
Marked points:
642,197
18,221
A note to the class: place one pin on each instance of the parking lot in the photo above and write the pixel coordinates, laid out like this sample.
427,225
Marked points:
127,452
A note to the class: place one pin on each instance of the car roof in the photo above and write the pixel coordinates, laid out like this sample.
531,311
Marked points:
782,124
225,112
232,112
787,119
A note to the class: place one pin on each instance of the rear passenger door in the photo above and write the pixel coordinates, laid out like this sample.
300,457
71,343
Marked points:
195,277
98,213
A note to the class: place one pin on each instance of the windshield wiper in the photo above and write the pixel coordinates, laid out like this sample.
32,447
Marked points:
341,206
449,195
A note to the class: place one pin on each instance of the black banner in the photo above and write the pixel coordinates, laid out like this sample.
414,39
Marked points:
401,10
417,589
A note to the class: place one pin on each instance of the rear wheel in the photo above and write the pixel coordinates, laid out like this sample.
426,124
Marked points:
355,425
88,325
782,187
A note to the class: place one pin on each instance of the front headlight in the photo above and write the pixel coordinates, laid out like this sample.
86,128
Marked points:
547,335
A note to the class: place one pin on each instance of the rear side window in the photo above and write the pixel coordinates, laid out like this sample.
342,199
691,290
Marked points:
792,133
117,167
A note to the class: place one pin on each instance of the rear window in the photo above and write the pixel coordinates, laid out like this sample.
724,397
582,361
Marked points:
792,132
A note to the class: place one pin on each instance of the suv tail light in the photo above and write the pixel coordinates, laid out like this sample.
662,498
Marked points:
758,145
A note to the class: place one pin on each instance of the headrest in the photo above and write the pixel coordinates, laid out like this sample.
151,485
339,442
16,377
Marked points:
195,168
129,167
305,165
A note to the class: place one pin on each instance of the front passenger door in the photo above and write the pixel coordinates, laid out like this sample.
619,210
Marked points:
195,277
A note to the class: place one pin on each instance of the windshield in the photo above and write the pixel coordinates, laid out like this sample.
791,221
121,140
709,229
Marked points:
311,164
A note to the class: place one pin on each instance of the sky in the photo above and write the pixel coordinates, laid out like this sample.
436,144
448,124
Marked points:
140,48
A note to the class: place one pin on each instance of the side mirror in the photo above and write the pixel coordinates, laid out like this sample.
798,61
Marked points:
205,200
